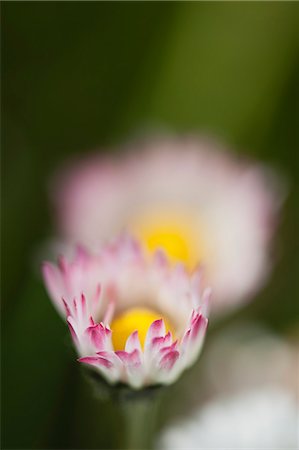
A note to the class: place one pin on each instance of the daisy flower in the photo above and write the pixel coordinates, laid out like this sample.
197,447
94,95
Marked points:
136,321
198,203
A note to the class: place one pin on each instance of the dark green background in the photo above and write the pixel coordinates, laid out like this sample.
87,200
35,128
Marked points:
77,76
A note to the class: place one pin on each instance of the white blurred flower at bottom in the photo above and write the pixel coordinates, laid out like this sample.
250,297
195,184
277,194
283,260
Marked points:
261,418
247,396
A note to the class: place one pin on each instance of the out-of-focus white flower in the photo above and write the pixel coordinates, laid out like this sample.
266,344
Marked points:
190,198
137,321
249,356
265,418
250,397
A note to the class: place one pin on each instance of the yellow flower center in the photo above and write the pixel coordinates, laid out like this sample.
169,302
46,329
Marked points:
131,320
177,234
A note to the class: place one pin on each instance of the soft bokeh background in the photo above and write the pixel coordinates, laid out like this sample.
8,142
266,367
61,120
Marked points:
80,76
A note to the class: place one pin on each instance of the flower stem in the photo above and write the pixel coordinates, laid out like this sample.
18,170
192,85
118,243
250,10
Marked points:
140,417
139,410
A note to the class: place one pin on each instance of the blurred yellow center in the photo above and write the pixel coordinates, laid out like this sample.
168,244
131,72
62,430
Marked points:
131,320
176,234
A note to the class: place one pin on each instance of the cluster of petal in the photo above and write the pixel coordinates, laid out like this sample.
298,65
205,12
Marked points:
234,201
91,289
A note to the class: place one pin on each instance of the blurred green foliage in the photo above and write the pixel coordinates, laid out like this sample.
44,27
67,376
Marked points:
78,76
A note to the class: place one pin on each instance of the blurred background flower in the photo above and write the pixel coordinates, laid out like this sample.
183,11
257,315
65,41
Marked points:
185,195
82,76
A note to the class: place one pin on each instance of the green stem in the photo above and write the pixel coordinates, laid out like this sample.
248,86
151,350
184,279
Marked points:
139,410
140,417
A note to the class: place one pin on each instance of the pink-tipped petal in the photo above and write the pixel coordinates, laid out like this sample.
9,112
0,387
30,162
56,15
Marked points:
66,307
96,361
91,321
133,342
129,359
199,323
98,335
83,304
162,341
75,309
168,348
156,329
168,361
186,339
72,330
